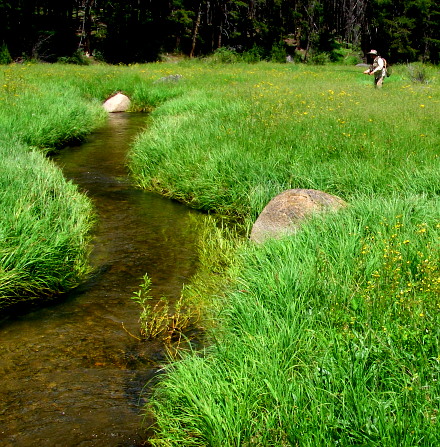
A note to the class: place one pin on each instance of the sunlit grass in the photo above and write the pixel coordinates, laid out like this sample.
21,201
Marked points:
44,228
45,222
328,337
267,128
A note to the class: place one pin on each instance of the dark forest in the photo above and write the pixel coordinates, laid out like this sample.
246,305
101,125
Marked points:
140,30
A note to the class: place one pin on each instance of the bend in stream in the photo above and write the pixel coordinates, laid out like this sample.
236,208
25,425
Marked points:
71,374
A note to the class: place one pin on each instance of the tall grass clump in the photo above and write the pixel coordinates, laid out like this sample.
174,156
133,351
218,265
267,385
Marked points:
328,337
44,226
209,182
419,73
169,321
182,323
219,241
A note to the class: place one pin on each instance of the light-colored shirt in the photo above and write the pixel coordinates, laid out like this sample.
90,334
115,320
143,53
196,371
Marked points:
378,65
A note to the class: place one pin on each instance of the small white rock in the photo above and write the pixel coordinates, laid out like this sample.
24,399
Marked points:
117,103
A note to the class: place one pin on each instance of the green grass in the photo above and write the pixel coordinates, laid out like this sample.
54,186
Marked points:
248,132
330,337
44,228
327,337
45,222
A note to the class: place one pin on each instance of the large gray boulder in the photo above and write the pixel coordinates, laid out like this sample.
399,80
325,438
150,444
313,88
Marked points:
284,213
117,103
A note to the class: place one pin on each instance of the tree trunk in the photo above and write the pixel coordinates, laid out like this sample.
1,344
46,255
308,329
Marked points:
86,27
196,31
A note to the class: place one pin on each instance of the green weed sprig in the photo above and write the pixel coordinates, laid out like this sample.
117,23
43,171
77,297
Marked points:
163,320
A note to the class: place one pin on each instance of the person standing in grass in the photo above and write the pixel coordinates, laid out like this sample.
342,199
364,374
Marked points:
377,68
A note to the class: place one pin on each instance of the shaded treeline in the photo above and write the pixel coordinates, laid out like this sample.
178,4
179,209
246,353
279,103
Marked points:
139,30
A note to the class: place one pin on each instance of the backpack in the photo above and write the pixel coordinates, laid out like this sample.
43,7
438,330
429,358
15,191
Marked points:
386,67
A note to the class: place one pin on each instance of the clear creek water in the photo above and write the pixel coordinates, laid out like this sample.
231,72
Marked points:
70,374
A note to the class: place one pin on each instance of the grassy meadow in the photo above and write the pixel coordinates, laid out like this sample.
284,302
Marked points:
328,337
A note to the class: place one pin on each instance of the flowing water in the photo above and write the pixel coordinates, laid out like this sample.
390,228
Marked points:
71,375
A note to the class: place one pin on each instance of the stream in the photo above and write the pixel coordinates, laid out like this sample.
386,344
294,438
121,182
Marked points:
71,373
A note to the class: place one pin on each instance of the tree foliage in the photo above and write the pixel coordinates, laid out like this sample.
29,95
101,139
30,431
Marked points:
139,30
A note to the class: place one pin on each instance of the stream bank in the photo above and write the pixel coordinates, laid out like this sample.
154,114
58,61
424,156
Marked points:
72,375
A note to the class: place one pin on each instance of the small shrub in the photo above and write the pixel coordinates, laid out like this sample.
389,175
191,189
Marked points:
254,55
98,56
5,57
318,59
278,53
418,74
225,56
298,56
78,58
352,59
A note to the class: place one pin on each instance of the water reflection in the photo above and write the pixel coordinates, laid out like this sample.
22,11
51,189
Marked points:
71,374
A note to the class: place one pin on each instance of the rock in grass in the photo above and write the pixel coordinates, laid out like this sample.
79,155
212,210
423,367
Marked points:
170,78
117,103
284,213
